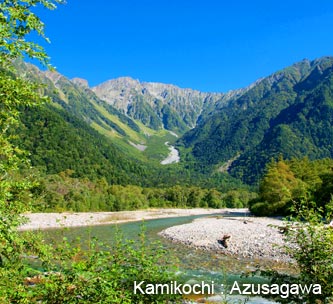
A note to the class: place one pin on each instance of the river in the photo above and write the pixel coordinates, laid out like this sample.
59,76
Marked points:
194,265
173,156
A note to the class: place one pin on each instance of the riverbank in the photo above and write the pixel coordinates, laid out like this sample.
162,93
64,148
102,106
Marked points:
246,237
79,219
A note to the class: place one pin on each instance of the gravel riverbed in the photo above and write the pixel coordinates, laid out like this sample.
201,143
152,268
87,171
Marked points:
250,237
77,219
247,237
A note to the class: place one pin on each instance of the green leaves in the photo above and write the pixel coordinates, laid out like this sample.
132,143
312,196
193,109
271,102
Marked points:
292,181
309,241
17,20
94,272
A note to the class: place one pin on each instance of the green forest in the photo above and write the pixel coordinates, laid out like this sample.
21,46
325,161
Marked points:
288,113
290,182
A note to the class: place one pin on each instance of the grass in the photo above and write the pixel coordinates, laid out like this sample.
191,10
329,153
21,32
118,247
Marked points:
154,139
135,136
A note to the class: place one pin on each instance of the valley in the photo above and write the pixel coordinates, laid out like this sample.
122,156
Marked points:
128,146
248,126
219,142
101,158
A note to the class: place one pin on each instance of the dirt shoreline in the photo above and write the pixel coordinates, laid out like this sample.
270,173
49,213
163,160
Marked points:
80,219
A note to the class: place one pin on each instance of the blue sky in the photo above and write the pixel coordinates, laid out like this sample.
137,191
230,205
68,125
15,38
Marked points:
211,45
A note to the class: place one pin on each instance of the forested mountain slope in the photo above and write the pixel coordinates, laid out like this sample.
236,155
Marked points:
288,113
136,116
76,98
58,141
81,134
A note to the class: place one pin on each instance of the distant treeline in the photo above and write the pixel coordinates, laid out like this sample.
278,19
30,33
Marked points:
61,192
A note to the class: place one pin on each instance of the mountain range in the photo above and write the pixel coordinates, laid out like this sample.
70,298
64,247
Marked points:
159,105
288,113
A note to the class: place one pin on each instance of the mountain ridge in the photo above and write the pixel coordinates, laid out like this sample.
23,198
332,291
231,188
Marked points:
239,131
253,128
185,105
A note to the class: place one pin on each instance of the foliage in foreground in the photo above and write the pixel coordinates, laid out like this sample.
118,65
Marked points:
73,272
16,22
309,241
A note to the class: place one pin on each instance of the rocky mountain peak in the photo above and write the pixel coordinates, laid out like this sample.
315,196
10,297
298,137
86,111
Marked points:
80,82
153,101
53,76
120,83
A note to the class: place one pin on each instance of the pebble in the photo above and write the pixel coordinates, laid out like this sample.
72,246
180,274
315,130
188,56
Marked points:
254,237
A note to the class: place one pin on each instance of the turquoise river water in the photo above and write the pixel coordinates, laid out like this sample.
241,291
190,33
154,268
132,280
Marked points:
194,265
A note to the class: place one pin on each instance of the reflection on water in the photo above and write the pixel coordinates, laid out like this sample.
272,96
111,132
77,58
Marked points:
193,264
